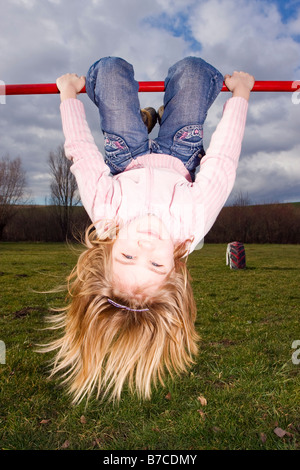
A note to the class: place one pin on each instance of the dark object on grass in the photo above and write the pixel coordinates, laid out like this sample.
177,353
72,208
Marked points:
235,255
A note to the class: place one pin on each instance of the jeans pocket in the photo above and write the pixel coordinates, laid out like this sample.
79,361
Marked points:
117,153
188,141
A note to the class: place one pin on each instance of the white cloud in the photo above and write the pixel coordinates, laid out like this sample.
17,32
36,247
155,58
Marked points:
29,4
294,25
251,36
270,176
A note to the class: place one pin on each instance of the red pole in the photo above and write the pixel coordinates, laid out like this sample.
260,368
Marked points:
51,88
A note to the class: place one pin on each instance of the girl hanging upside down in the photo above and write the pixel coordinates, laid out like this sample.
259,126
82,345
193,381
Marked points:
131,311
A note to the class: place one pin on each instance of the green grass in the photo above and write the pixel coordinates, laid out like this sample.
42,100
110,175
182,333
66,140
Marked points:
247,320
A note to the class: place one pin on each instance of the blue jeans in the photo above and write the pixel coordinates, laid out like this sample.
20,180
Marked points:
191,87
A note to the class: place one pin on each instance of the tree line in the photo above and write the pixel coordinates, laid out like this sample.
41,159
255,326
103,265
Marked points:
65,219
270,223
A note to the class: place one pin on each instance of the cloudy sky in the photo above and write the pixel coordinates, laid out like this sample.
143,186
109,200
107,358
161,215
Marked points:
43,39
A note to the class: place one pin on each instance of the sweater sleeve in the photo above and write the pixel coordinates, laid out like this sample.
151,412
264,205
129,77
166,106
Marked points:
89,168
217,174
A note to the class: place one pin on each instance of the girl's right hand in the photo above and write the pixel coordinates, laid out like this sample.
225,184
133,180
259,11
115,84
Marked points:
70,85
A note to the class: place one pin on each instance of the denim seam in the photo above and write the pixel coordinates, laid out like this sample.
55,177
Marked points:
195,155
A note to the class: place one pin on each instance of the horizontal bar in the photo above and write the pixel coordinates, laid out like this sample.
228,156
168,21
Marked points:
51,88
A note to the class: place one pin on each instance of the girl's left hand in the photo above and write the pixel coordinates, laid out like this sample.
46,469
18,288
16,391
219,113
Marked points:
240,83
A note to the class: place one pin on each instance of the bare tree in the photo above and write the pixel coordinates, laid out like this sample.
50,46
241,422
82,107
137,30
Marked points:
241,199
64,194
12,188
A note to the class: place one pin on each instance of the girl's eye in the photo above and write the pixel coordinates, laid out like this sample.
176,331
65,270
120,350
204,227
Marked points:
152,262
127,256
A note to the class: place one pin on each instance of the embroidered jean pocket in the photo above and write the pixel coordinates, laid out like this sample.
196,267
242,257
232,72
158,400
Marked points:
188,141
117,153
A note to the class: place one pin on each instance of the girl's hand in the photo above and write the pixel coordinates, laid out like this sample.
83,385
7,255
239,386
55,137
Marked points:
70,85
240,83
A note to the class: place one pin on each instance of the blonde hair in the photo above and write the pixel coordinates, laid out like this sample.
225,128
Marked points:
103,346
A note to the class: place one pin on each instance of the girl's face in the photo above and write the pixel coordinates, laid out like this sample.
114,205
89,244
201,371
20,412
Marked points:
143,254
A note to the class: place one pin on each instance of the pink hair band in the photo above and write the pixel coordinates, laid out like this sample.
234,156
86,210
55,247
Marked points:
112,302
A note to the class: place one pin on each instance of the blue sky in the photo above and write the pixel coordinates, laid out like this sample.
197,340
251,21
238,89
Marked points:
287,8
178,24
42,39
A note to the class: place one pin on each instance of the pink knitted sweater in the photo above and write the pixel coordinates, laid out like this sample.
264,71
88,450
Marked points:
156,183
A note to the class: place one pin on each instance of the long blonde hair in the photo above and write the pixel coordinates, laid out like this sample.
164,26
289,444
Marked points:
103,346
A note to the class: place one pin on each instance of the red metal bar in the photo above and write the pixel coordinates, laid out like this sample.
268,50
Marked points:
152,86
51,88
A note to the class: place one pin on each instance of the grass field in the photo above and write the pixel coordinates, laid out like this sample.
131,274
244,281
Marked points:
242,393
